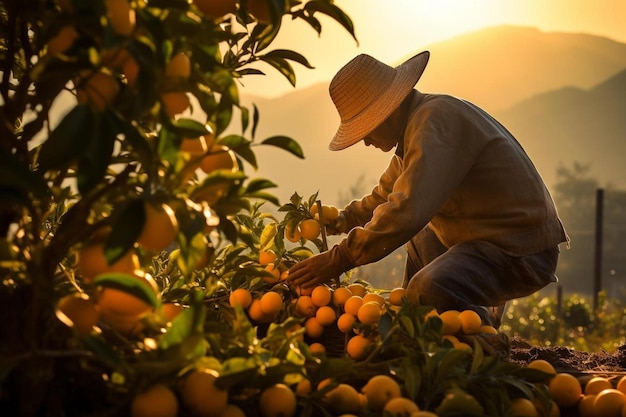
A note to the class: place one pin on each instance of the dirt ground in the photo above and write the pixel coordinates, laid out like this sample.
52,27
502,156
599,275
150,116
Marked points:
583,365
569,360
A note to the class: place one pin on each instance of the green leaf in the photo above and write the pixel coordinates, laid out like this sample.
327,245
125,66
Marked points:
93,163
286,143
282,66
330,9
288,54
189,128
17,179
68,141
258,184
129,284
127,225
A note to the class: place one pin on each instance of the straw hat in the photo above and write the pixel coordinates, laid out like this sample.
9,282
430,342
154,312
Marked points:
366,91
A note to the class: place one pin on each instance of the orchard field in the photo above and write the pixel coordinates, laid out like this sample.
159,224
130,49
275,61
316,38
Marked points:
143,274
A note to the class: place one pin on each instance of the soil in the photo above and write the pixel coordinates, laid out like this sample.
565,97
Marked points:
583,365
569,360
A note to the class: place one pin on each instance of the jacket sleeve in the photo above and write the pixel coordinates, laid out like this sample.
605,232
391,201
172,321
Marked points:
437,156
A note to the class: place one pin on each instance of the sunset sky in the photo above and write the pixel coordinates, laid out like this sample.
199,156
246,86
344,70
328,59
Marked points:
392,30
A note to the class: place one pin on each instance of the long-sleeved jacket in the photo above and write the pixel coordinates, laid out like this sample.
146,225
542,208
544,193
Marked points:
464,174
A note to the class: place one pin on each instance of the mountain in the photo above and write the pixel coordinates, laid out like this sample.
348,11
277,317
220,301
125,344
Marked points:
574,125
558,91
499,66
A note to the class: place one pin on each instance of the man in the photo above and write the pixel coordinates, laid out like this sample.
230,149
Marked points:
479,225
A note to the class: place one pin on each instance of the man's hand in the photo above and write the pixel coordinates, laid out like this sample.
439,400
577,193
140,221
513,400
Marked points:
338,225
318,269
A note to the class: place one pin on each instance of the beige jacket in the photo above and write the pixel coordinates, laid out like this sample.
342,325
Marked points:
465,175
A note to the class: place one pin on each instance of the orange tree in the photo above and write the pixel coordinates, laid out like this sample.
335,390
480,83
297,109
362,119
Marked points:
112,147
128,222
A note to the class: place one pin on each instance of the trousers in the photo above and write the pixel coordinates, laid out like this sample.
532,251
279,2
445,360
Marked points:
472,275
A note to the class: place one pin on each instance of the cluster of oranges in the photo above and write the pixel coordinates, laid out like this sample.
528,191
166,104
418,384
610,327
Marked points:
598,396
118,308
310,228
352,309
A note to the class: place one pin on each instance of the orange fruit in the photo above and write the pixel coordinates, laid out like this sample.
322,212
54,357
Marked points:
523,407
267,257
357,288
321,295
121,16
157,401
462,346
305,306
470,321
317,348
112,301
121,60
565,390
609,403
232,410
304,387
396,295
358,347
326,315
310,229
353,304
62,41
259,9
292,233
379,389
160,227
372,296
256,313
295,332
220,157
340,296
175,102
271,303
345,322
597,384
211,194
240,296
275,271
451,321
399,407
304,291
585,406
171,310
98,89
92,262
543,366
328,212
200,394
485,328
621,384
78,311
370,313
194,146
344,398
278,400
313,328
179,66
214,9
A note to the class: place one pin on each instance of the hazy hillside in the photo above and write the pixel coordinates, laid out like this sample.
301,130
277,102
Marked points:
500,66
572,124
537,82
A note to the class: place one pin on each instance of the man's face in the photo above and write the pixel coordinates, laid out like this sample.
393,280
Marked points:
381,138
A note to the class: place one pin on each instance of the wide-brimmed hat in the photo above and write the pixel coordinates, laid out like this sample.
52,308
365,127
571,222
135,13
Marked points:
366,91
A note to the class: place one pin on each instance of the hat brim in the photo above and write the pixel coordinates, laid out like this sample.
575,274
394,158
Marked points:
356,129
